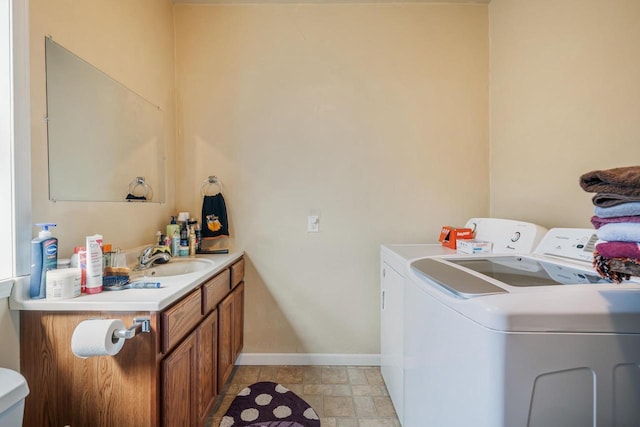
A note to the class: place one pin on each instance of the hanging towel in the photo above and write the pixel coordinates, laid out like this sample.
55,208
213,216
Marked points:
620,232
624,181
625,209
619,249
214,216
599,222
611,199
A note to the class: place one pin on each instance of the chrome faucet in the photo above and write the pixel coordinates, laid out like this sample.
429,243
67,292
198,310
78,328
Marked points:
147,258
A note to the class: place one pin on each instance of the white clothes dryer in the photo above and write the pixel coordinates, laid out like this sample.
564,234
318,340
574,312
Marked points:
507,236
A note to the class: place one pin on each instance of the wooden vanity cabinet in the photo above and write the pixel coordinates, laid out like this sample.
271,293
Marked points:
168,377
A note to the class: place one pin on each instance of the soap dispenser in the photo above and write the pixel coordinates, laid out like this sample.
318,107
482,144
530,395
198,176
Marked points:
44,257
173,228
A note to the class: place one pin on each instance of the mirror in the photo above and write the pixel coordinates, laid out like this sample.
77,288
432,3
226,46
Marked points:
102,137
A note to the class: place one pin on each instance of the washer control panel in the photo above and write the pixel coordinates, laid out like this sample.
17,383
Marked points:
572,243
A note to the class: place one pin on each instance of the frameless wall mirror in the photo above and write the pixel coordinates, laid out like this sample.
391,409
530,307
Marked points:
101,135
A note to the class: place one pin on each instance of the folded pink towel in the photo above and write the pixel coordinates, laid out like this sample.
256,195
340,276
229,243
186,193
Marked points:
619,249
599,222
625,181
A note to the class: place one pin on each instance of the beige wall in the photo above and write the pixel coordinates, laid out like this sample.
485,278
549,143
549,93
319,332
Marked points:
132,41
565,93
376,115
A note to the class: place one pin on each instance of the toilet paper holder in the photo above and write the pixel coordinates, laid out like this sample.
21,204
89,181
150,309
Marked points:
140,324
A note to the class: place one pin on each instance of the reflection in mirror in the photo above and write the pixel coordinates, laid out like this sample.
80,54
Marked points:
100,133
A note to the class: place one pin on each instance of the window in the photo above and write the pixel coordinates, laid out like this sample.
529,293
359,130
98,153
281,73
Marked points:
15,141
6,175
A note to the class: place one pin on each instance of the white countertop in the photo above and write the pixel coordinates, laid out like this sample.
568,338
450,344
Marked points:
172,288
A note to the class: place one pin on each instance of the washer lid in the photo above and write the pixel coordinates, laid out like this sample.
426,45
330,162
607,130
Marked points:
455,280
539,295
524,272
13,388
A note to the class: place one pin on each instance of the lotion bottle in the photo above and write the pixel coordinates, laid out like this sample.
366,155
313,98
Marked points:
94,264
175,242
44,257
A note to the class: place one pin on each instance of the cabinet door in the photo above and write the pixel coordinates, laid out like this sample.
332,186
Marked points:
392,334
207,334
179,385
237,273
180,319
238,320
230,332
225,340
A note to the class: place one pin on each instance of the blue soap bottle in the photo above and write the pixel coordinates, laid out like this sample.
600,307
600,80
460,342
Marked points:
44,257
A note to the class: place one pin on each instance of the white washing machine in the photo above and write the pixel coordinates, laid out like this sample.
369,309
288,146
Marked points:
507,236
535,340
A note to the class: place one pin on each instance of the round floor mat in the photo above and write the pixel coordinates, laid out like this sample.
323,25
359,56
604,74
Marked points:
268,404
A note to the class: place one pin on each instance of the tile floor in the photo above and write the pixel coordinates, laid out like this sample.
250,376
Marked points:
343,396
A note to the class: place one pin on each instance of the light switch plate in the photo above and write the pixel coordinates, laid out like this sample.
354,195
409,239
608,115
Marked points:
313,223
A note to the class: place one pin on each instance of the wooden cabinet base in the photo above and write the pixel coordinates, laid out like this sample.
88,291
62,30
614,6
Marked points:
99,391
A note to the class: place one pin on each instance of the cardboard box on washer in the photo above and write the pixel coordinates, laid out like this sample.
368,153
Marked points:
473,246
450,235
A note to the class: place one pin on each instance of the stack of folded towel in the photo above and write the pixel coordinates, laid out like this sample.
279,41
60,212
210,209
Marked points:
616,219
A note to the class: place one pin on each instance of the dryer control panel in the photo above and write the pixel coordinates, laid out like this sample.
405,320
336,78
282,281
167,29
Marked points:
507,235
572,243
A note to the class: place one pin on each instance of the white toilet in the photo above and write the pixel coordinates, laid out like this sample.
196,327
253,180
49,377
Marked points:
13,390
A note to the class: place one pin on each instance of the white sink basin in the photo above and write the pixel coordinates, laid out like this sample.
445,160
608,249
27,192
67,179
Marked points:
175,267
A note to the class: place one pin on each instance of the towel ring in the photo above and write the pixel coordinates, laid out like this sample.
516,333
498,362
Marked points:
139,190
211,186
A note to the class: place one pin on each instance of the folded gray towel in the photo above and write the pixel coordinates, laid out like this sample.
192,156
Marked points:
624,181
609,199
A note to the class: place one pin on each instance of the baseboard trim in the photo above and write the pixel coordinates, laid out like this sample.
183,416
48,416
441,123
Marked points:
308,359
